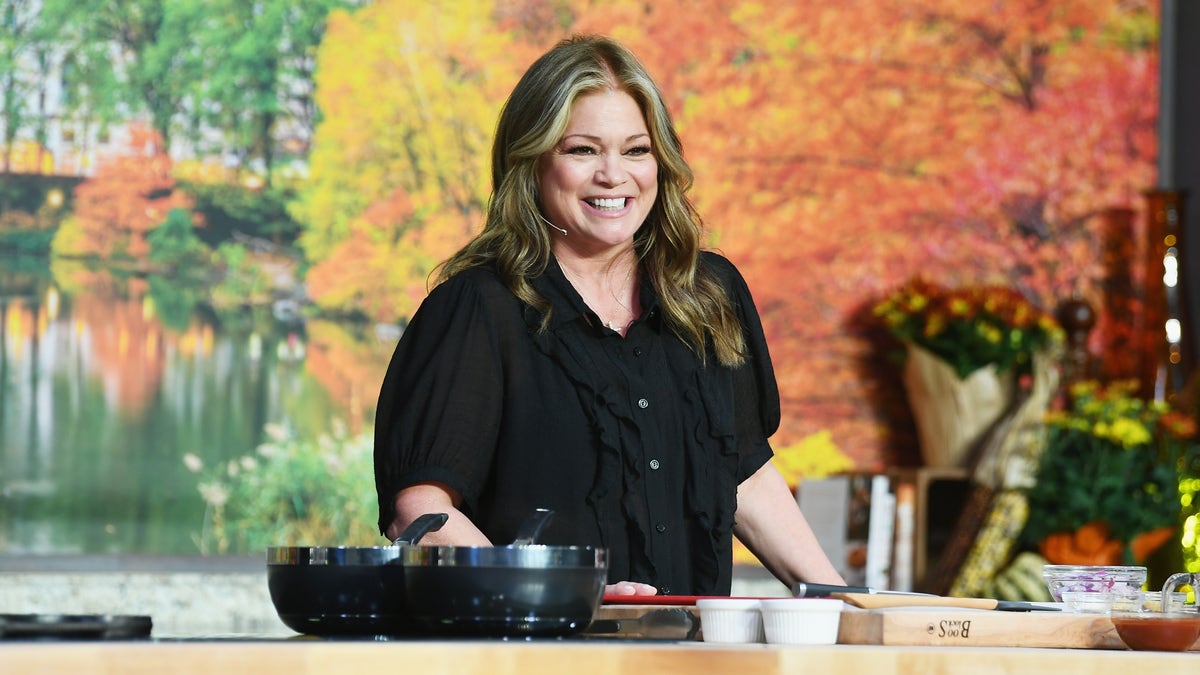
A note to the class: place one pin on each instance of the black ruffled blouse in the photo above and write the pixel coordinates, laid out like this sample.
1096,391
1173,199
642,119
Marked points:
634,444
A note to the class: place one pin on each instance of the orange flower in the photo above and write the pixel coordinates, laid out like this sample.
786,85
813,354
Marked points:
969,327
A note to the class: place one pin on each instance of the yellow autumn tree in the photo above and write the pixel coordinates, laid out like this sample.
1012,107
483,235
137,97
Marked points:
409,94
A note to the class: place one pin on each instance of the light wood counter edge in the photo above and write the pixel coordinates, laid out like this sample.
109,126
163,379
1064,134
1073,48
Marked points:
583,657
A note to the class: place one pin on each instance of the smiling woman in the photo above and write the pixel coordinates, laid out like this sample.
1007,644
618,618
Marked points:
582,354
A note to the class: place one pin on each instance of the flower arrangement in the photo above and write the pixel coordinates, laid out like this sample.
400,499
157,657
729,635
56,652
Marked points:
1107,486
969,327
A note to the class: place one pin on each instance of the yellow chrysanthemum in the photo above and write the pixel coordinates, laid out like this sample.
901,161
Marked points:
1124,431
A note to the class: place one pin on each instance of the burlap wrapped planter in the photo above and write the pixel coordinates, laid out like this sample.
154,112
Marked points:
951,413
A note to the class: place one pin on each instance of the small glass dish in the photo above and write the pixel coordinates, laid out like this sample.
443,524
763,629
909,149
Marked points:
1120,580
1156,631
1152,601
1129,603
1088,602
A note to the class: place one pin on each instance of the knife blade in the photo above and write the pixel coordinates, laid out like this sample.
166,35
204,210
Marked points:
671,623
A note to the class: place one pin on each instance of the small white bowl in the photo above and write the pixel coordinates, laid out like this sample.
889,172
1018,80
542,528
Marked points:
730,620
802,621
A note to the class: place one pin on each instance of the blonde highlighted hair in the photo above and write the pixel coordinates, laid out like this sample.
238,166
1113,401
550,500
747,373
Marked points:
516,240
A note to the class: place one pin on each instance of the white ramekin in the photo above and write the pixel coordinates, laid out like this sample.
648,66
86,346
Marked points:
730,620
801,621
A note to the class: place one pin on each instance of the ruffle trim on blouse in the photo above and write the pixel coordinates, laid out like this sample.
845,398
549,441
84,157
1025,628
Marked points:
618,478
712,457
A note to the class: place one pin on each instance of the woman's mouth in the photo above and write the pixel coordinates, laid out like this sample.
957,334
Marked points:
607,204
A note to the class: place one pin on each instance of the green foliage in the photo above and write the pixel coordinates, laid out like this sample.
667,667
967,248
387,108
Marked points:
32,193
174,300
230,208
174,244
243,281
259,52
1111,458
290,492
185,64
26,241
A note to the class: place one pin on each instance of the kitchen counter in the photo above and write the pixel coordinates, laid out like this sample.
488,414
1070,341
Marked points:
577,656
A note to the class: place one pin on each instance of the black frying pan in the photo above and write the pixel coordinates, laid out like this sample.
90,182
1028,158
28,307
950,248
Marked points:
344,590
521,589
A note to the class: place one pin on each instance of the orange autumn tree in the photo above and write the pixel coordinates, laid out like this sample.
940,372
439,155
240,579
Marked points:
974,144
935,136
130,195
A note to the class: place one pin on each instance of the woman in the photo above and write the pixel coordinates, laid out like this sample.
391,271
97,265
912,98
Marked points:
582,354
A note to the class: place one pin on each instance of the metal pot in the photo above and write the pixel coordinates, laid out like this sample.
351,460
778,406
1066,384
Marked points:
344,590
520,589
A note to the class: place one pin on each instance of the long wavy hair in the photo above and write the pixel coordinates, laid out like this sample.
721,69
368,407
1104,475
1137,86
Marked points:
517,241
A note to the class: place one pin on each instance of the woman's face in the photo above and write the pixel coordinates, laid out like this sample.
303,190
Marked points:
601,180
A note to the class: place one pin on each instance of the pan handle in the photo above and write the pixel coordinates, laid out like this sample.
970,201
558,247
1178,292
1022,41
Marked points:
531,527
423,525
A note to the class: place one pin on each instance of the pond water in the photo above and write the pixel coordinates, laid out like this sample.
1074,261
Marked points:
114,388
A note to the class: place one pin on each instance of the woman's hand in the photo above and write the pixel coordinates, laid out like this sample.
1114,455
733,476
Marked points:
630,588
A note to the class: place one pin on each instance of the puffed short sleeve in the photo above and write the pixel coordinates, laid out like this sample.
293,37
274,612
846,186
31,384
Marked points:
440,402
756,392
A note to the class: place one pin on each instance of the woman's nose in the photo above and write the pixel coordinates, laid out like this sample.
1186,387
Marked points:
611,173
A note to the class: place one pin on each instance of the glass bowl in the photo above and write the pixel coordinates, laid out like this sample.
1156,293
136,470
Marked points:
1117,580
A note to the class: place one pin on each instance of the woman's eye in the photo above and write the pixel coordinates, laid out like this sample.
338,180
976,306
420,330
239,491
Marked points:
581,150
639,150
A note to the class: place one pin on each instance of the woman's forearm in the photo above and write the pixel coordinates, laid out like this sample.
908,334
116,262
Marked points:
417,500
770,524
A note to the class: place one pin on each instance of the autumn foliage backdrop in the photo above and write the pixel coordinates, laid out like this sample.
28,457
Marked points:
839,149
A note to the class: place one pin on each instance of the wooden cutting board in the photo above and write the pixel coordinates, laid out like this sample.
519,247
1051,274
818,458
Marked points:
926,626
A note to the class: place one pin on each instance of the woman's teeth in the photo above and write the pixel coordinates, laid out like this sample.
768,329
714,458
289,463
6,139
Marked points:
617,203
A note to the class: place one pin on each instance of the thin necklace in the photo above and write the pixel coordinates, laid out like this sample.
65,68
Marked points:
610,324
628,312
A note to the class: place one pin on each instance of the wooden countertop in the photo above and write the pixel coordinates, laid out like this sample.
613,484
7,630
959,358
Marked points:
554,657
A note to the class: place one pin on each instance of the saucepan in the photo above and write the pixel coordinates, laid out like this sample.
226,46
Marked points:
520,589
344,590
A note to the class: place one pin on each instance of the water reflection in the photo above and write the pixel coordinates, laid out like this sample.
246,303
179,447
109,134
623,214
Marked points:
103,394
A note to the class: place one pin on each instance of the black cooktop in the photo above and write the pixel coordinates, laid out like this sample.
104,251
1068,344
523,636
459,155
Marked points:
74,626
